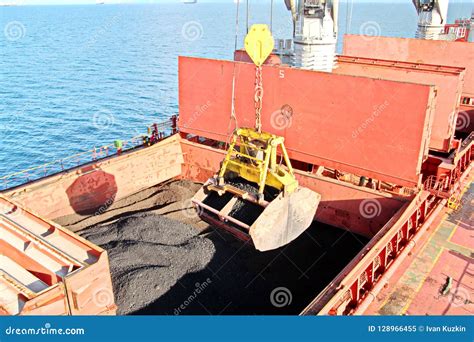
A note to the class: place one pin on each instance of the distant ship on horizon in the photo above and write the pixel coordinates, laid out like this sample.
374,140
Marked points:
189,1
110,2
5,4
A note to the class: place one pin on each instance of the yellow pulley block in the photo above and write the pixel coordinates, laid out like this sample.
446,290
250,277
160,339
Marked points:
259,43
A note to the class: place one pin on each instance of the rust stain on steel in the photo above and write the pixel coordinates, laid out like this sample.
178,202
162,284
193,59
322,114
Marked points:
92,191
334,121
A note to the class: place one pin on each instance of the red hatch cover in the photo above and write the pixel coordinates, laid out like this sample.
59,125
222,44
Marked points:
371,127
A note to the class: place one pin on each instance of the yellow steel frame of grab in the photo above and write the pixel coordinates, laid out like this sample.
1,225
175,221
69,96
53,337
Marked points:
264,170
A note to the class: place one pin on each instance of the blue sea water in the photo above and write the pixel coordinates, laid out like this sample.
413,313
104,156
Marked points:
77,77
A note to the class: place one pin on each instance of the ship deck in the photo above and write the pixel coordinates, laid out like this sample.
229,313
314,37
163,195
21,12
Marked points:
437,278
248,278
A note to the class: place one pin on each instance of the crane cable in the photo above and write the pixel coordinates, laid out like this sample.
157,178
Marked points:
259,85
248,10
258,98
233,117
349,16
271,16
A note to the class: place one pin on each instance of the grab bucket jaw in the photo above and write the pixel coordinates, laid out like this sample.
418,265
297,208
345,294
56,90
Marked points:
284,219
269,225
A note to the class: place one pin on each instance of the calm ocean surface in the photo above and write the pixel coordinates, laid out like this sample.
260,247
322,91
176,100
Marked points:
77,77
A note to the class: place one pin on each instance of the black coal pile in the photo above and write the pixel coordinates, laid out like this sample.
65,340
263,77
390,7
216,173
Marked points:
148,255
240,280
161,266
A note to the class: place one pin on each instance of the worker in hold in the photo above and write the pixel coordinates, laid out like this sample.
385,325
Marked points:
363,181
119,146
371,184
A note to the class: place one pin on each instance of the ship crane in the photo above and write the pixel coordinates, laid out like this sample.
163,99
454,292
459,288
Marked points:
432,16
315,26
255,193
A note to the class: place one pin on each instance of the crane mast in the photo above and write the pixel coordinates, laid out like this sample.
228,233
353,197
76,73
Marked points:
432,15
314,33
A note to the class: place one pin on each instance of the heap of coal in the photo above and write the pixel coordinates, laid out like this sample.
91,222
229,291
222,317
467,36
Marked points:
162,266
148,255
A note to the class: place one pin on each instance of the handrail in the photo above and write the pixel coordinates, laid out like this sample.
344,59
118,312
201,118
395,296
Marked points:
18,178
